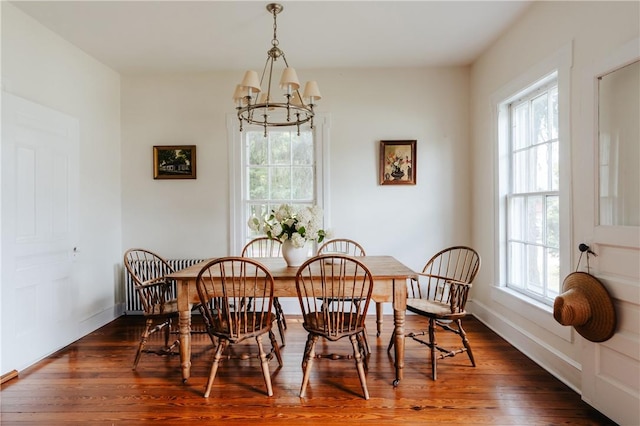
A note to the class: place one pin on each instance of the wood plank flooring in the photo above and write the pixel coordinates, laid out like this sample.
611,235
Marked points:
90,382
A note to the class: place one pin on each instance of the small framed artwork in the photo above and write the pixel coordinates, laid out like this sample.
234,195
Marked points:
174,162
398,162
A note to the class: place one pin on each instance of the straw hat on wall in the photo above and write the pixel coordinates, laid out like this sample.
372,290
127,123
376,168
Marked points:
586,305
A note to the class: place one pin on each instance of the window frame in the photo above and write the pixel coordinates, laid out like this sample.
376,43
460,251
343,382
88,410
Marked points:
535,75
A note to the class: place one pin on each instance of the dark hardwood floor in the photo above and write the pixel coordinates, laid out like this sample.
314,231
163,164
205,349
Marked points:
90,382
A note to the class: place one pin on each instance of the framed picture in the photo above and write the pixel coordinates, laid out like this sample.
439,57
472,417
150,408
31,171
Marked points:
398,162
174,162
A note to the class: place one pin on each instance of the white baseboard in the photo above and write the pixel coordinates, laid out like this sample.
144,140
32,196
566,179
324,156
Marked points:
565,369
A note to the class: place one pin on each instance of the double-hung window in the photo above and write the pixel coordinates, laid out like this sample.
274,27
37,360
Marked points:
532,199
282,168
279,169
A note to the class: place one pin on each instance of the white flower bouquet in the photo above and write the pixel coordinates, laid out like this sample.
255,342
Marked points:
298,224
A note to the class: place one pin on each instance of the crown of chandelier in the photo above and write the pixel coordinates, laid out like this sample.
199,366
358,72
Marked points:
255,106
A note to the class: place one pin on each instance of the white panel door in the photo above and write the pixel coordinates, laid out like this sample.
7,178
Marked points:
611,369
39,230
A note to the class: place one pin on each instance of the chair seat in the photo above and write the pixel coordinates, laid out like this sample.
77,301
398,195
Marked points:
341,325
432,308
167,308
250,322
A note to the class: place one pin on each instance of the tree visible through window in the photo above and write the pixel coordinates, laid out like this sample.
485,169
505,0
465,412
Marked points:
533,208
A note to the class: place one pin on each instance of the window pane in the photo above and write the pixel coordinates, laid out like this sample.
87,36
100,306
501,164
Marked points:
553,273
302,149
540,125
281,183
303,188
517,218
553,221
520,172
555,166
258,183
535,213
516,264
257,149
540,171
257,210
280,147
535,269
520,127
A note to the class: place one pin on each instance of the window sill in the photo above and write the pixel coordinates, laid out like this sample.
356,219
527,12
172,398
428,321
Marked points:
531,309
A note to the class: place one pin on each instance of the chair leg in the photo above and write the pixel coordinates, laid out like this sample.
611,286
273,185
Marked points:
359,365
264,364
432,346
391,341
362,347
276,302
167,333
309,355
367,348
214,366
280,319
143,342
307,348
379,317
276,348
465,342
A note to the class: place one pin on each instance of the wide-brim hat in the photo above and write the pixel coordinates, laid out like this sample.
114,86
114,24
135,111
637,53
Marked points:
586,305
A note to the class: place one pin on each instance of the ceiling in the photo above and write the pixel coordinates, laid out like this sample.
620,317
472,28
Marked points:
173,36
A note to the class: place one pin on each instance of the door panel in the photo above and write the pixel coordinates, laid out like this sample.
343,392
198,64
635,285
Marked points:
39,230
611,369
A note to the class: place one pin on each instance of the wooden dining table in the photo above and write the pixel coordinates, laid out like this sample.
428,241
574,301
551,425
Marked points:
389,276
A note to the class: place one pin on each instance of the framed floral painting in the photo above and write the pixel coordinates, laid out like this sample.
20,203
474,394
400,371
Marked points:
174,162
398,162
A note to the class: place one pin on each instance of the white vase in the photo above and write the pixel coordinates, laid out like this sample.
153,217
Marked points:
294,256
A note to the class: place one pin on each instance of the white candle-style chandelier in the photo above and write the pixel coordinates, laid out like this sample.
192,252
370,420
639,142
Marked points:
255,106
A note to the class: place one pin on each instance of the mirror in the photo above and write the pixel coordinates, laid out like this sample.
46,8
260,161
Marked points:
619,146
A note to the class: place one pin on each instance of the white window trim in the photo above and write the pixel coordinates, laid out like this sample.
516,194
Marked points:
560,62
237,226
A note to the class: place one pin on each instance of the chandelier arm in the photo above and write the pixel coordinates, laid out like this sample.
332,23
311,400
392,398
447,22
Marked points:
270,61
264,70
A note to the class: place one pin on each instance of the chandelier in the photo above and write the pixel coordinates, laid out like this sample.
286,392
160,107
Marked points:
257,106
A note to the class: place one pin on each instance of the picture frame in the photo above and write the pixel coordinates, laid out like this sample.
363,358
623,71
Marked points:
174,162
398,162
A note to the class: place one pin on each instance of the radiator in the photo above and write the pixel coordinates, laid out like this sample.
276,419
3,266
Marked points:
133,305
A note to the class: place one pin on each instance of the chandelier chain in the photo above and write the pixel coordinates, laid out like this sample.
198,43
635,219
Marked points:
275,41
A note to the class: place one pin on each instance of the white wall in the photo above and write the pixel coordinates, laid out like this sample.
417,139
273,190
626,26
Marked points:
594,29
40,66
188,218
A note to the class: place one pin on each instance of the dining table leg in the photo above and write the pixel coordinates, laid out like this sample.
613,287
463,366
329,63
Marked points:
379,312
399,314
398,322
184,324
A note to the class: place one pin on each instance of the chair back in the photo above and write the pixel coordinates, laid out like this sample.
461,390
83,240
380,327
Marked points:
334,292
341,246
262,247
447,277
225,285
148,271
